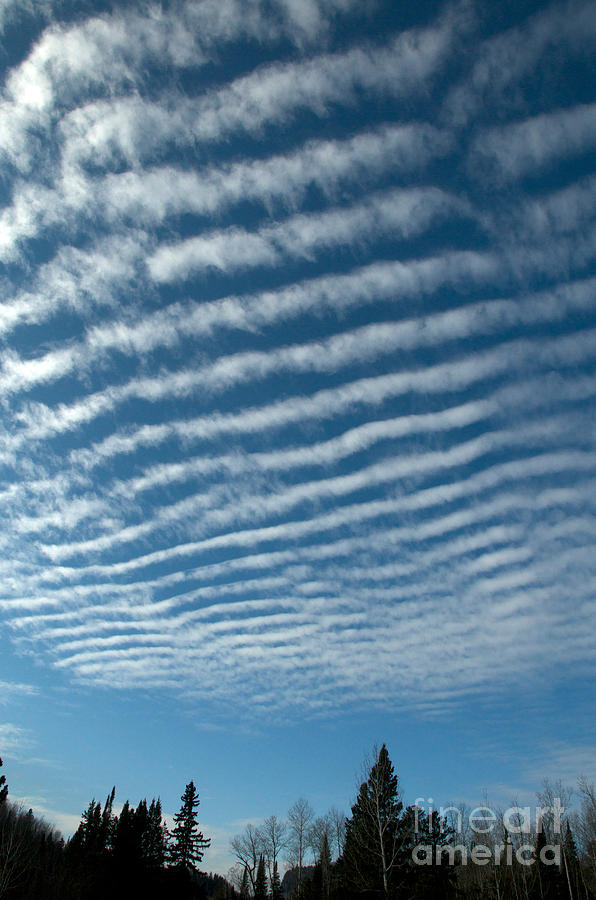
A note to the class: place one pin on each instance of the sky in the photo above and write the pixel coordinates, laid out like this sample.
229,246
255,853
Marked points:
298,396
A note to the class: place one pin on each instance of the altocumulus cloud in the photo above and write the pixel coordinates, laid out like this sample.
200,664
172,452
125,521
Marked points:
298,350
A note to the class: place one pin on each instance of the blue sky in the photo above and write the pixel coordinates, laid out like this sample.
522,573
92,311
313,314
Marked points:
297,380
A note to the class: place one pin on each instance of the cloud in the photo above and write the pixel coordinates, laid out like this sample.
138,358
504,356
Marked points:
399,214
565,761
10,689
529,147
503,62
223,474
13,739
109,54
133,128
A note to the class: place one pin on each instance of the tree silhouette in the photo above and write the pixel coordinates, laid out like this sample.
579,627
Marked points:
3,787
375,850
261,881
188,843
276,891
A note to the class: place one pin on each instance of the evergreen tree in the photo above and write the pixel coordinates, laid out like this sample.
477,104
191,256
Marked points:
3,787
107,822
436,880
188,843
245,886
376,852
276,891
154,840
547,878
261,881
124,837
89,835
571,866
325,863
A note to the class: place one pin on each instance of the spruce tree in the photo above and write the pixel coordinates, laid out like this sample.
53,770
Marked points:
547,884
276,891
245,886
261,881
325,863
3,787
154,839
188,843
375,851
571,866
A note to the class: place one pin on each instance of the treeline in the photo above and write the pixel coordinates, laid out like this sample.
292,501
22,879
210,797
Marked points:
130,854
382,851
390,852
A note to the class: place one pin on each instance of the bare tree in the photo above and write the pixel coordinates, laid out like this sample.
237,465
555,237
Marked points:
320,828
551,796
236,875
274,834
586,822
300,816
247,848
14,847
338,822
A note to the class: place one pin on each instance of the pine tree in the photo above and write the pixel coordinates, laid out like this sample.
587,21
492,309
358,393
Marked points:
276,892
375,852
261,881
3,787
188,843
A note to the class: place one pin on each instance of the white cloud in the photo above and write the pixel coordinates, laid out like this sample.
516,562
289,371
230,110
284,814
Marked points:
134,128
528,147
13,739
398,213
10,689
502,62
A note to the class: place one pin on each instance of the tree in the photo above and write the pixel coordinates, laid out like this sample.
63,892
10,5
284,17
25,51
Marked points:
276,891
571,866
300,816
433,833
247,848
154,838
261,881
273,838
375,851
338,823
548,884
320,829
325,863
3,787
245,884
188,843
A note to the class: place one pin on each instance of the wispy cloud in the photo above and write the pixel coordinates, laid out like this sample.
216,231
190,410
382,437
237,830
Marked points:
533,145
400,214
10,689
13,739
